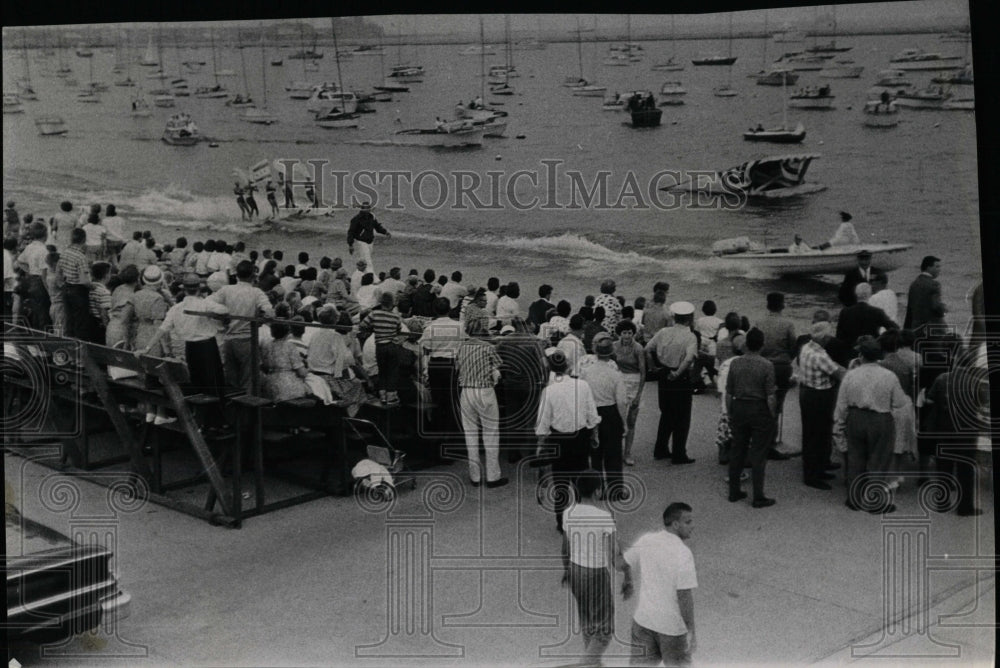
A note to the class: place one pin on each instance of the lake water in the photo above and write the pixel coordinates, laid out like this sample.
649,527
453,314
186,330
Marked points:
916,183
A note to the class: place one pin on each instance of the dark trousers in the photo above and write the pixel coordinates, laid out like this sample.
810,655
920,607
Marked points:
570,461
237,363
958,459
675,417
517,416
753,429
387,358
816,407
782,381
76,301
870,438
204,365
443,385
35,303
608,456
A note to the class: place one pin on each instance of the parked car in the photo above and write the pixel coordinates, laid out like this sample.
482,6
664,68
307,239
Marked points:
56,587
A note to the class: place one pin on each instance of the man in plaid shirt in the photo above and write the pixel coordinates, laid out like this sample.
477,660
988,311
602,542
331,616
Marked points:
818,374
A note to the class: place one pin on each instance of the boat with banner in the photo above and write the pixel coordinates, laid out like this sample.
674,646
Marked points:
771,178
181,131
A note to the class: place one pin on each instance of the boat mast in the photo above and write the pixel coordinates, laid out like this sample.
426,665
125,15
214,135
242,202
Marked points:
215,65
833,41
482,61
243,63
506,76
673,40
27,67
784,101
263,67
579,46
159,48
336,56
763,62
302,47
729,67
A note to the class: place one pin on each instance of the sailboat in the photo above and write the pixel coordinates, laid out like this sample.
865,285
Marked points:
782,135
261,115
492,121
728,90
244,99
584,88
140,107
149,58
301,89
716,59
90,94
670,64
336,116
64,71
388,85
24,88
405,73
504,87
831,46
216,91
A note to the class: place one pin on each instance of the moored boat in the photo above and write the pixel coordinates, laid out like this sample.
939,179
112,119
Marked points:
932,97
181,131
713,60
918,59
300,90
963,78
306,54
164,100
960,104
668,65
50,125
812,97
211,92
881,113
12,104
590,90
778,77
465,136
841,69
782,135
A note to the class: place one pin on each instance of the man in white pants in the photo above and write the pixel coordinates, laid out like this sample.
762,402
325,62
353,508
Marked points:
361,233
478,372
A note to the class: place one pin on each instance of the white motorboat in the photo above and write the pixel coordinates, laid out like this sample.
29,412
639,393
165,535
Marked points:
181,131
51,125
801,62
407,74
812,98
771,178
841,69
464,136
327,95
918,59
782,135
12,104
590,91
932,97
334,119
672,89
777,77
880,114
724,91
741,254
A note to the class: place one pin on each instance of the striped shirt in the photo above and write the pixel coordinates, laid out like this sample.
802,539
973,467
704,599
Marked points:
100,299
477,360
73,265
384,325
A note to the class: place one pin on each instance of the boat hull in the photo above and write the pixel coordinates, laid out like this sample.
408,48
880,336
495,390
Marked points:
842,72
435,139
590,91
918,103
927,65
714,61
775,136
820,104
646,118
832,261
174,140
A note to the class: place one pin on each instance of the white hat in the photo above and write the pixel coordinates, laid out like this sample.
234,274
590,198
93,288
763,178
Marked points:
506,329
309,300
682,308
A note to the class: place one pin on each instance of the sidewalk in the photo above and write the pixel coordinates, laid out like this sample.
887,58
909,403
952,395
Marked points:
459,575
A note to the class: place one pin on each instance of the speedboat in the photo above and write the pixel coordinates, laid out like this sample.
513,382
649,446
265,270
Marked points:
12,104
492,121
812,98
713,60
181,131
880,114
50,125
781,135
741,254
446,136
326,96
917,59
932,97
771,178
841,69
777,77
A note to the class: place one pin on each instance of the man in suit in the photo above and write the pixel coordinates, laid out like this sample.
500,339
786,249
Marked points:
863,273
924,294
862,318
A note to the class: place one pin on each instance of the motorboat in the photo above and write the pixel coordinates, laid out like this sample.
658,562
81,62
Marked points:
672,89
306,54
501,71
770,178
812,98
668,65
127,82
466,135
258,116
300,90
179,88
713,60
892,79
643,111
140,108
407,74
841,69
211,92
390,86
240,101
590,90
741,254
478,50
962,78
375,96
932,97
724,91
84,52
164,100
51,125
323,99
492,121
277,62
181,131
369,50
829,47
782,135
802,62
961,104
12,104
918,59
778,77
334,118
88,96
881,113
617,59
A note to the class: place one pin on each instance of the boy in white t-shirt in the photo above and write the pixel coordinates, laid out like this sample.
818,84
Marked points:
707,327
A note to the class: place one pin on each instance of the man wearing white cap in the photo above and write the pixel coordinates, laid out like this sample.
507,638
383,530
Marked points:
361,233
818,375
674,348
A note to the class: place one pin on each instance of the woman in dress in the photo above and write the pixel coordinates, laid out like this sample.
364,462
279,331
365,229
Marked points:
590,550
631,360
150,303
284,370
121,316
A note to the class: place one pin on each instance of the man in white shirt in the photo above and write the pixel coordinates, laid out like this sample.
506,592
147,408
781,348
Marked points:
453,290
798,246
572,346
884,298
492,296
358,274
663,624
